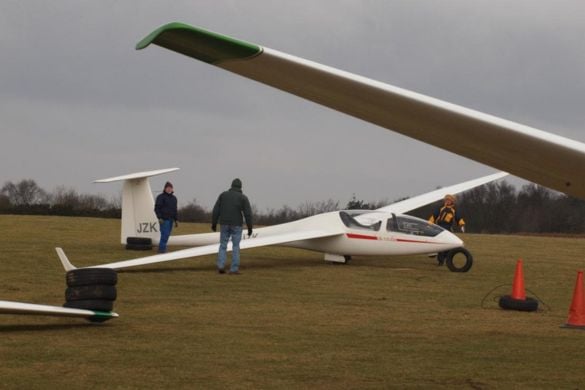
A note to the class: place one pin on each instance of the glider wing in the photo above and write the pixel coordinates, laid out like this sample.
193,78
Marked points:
544,158
410,204
9,307
207,249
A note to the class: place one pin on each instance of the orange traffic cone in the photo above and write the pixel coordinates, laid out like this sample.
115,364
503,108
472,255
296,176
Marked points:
518,300
518,291
577,309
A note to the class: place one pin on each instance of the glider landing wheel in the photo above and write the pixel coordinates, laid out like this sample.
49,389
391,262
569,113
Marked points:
347,259
459,260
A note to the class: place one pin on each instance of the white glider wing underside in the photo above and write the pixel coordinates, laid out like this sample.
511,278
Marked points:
10,307
413,203
547,159
211,249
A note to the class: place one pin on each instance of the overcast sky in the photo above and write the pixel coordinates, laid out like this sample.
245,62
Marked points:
78,103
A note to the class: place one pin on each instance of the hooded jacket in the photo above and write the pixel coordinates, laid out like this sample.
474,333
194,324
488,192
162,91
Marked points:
166,206
232,206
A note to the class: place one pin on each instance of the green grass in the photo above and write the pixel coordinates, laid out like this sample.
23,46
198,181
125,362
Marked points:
291,320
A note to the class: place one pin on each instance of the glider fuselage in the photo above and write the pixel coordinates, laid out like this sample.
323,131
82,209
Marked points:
354,233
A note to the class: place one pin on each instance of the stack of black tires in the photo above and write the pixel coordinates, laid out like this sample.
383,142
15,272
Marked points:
138,243
91,289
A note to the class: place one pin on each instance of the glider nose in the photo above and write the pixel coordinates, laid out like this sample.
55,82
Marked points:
451,239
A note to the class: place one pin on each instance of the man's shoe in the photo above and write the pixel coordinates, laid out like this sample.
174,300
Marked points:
235,273
221,270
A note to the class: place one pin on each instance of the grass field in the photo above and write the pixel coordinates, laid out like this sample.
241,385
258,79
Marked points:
291,320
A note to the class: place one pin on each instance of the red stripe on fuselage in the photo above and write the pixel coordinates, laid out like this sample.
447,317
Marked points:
415,241
361,236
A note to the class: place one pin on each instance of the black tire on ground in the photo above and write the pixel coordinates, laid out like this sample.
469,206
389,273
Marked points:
91,304
508,303
347,259
453,267
139,240
94,291
139,247
91,276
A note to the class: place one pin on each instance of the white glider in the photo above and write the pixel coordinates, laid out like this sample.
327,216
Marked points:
544,158
339,234
9,307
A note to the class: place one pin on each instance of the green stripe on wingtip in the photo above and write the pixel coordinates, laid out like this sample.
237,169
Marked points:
198,43
102,316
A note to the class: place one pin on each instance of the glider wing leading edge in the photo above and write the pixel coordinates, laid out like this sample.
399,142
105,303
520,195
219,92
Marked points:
10,307
415,202
207,249
544,158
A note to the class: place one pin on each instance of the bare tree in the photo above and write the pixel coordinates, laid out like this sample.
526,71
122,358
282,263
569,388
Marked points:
65,197
193,212
4,202
307,208
24,193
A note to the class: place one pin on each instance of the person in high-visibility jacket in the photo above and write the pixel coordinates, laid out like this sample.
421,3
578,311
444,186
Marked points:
446,217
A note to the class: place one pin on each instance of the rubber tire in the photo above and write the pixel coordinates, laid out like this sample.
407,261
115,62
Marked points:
139,247
91,304
468,263
95,291
91,276
139,240
508,303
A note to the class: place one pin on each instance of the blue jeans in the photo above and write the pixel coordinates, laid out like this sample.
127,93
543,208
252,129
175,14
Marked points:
235,232
165,232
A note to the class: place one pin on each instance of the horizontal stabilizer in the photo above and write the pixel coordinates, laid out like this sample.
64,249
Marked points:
137,175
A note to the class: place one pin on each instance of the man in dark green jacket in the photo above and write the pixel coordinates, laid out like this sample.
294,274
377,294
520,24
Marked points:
230,209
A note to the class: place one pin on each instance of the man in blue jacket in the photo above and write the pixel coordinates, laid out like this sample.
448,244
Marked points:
166,212
230,209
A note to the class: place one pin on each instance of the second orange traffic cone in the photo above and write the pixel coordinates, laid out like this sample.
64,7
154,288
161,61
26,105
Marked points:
577,309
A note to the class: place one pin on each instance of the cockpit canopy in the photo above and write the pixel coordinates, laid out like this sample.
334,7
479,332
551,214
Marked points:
373,221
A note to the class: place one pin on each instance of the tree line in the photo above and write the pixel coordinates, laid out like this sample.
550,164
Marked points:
26,197
493,208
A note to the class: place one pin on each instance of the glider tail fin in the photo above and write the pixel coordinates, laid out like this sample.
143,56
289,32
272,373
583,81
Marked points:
138,217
